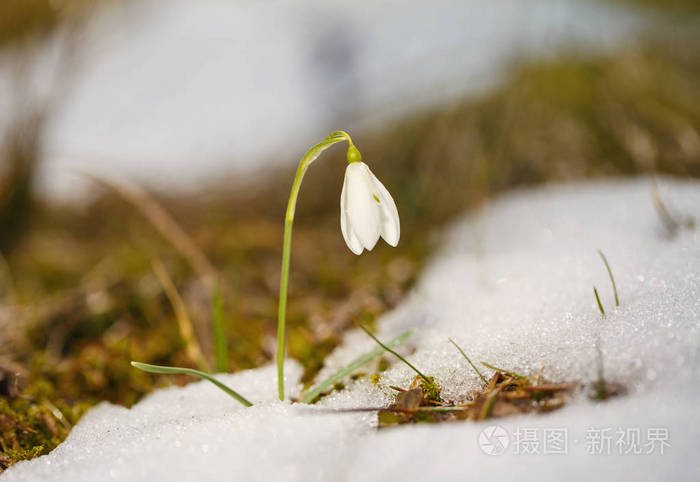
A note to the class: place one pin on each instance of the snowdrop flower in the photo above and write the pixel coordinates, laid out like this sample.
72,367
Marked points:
367,210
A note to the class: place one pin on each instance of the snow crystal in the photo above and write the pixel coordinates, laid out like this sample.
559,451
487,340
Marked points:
514,287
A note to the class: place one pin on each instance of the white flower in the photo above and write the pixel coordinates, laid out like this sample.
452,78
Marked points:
367,210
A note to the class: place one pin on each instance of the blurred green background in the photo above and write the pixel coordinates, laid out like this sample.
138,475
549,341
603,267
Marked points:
78,295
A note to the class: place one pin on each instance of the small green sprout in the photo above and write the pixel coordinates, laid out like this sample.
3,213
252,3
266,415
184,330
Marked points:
483,378
369,333
600,305
612,279
431,390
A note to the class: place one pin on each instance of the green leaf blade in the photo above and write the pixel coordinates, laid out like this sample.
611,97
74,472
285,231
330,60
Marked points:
220,345
312,394
190,371
507,372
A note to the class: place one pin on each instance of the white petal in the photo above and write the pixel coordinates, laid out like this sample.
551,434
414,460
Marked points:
389,216
361,208
348,235
354,243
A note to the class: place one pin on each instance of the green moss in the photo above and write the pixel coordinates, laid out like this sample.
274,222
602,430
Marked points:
382,364
431,390
29,428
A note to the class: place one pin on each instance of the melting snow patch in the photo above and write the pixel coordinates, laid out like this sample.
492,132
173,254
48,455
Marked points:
513,286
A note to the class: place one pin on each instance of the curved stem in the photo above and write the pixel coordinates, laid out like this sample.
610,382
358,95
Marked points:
309,157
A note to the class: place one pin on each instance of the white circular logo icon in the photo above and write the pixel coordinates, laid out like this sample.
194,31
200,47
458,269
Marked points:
494,440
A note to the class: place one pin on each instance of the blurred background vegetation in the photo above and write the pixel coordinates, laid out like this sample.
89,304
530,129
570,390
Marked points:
79,297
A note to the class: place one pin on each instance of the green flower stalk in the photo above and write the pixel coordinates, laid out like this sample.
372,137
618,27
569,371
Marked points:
367,211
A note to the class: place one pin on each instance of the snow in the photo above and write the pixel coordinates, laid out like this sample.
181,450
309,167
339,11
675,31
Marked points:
513,286
177,92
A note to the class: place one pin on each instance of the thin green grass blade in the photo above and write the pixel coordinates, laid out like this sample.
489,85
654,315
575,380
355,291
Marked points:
600,305
483,378
601,389
220,345
612,280
189,371
442,409
312,394
490,403
369,333
512,374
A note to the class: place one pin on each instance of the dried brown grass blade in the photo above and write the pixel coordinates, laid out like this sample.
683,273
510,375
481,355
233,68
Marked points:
166,226
668,221
194,350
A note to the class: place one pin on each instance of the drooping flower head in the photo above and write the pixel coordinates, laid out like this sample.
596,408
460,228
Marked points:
367,210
